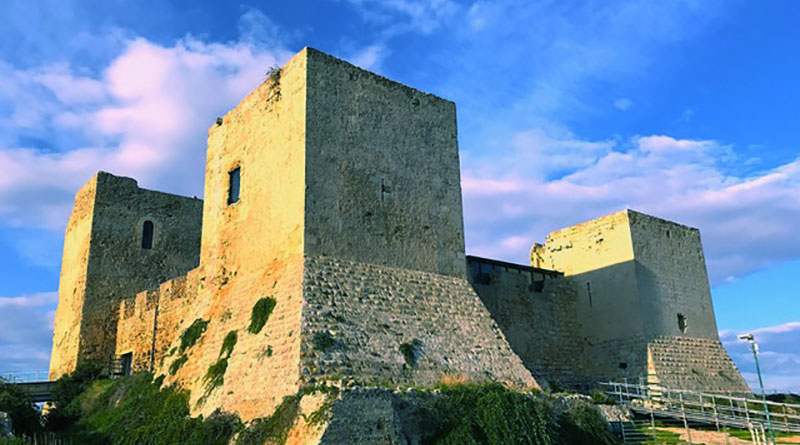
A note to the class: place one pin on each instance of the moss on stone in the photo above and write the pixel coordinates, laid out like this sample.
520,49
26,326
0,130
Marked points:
411,351
323,341
178,364
193,333
215,376
261,312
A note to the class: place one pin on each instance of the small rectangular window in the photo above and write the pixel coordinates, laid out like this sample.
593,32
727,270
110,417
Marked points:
233,185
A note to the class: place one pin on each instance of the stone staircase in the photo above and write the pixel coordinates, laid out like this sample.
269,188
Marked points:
698,364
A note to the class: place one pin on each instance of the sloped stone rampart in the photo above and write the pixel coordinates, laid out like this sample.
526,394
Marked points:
697,364
370,311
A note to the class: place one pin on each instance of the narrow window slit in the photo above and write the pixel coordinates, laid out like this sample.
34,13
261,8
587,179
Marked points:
147,235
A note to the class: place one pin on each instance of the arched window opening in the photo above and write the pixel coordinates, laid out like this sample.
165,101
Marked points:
147,235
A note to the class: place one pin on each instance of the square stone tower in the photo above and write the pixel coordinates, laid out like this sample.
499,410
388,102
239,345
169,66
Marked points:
334,194
644,304
120,239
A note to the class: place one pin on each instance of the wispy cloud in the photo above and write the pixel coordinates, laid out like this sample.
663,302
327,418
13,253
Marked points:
146,116
779,356
26,331
512,195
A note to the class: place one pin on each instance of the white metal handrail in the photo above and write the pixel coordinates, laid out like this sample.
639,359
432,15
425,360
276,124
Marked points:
719,409
25,376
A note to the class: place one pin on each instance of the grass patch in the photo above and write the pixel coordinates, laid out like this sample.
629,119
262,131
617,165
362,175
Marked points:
193,333
135,410
495,415
323,341
178,364
600,397
215,376
411,352
261,312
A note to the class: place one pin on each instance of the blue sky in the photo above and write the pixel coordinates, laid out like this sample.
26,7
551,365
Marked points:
567,111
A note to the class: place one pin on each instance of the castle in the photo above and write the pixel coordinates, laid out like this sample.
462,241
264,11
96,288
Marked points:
330,246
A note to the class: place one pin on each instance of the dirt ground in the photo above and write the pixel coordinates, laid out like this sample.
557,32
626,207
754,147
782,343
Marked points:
714,437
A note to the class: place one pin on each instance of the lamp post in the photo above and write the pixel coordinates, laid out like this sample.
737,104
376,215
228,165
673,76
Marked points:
751,339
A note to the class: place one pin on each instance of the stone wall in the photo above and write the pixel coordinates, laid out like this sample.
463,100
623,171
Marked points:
540,325
697,364
72,284
105,261
383,179
672,278
155,314
370,311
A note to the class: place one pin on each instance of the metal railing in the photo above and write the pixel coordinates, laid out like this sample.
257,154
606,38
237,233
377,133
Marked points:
25,376
722,411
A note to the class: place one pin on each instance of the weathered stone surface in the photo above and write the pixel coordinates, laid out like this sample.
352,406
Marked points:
104,261
639,280
371,311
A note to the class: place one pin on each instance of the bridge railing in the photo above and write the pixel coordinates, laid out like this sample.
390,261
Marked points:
25,376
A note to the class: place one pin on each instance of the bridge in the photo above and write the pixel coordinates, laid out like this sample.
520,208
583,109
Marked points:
36,384
692,408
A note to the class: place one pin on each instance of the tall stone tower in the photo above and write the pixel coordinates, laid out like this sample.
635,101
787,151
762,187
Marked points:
120,239
644,304
335,193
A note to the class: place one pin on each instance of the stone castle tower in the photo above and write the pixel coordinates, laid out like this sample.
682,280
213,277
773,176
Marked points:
333,215
643,302
333,192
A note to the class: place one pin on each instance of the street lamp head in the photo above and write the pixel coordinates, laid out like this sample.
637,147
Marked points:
746,337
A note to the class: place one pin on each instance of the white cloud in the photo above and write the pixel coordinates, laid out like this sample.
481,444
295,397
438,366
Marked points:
623,103
370,57
399,16
145,116
510,195
26,331
779,356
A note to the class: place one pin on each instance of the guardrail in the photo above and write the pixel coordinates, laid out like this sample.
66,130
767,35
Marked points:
722,411
25,376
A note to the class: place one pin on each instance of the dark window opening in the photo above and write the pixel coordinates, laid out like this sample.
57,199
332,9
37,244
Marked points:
233,185
623,365
682,323
147,235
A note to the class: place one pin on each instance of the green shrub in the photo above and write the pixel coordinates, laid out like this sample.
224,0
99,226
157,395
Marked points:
261,312
322,341
193,333
12,441
490,414
134,410
600,397
411,352
16,403
68,389
178,364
